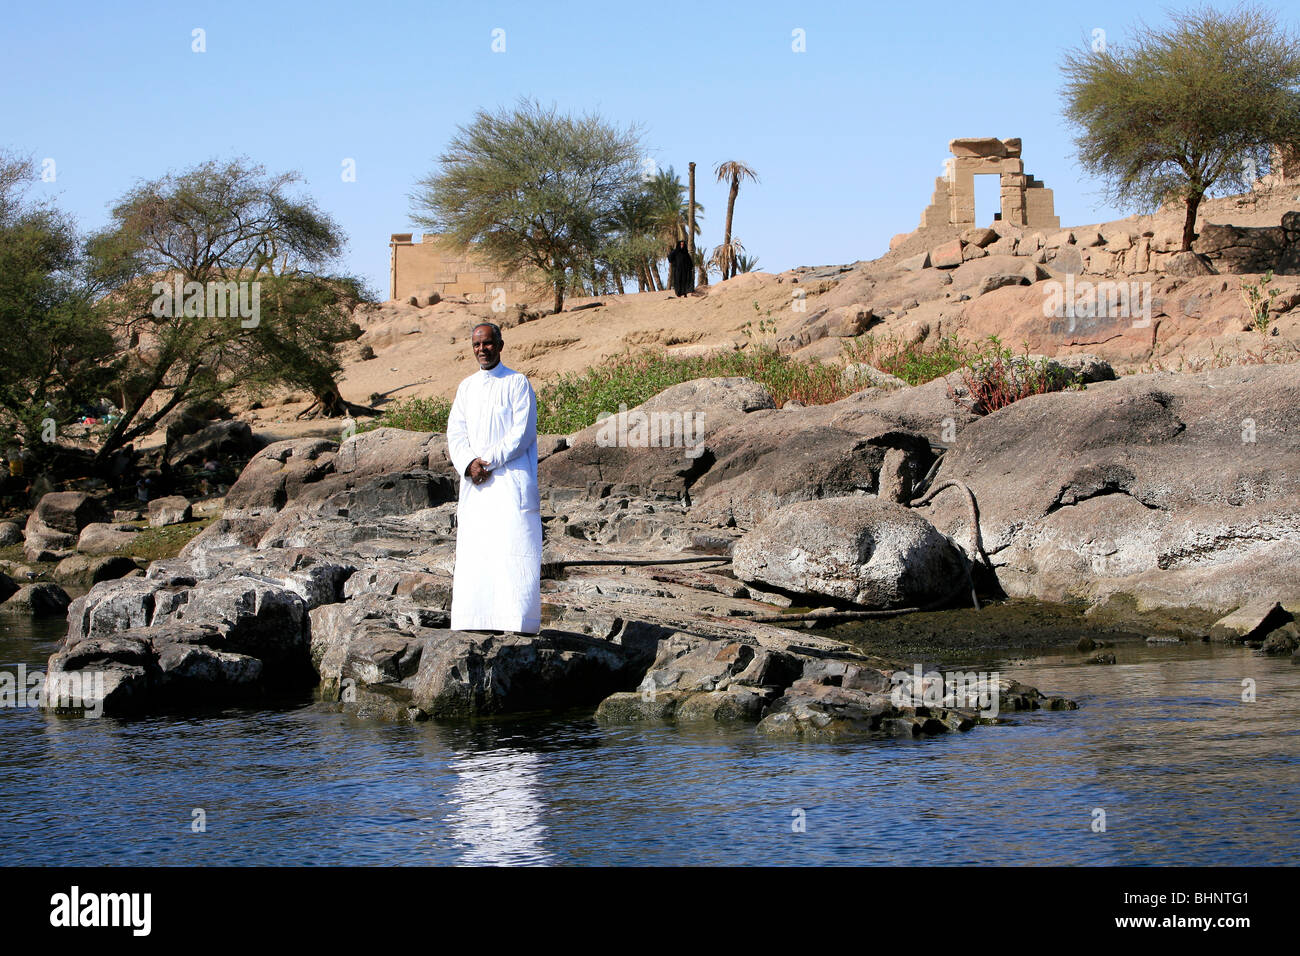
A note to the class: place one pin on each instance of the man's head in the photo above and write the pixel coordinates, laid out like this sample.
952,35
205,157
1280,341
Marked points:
486,341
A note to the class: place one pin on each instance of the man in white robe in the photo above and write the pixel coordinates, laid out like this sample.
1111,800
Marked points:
492,441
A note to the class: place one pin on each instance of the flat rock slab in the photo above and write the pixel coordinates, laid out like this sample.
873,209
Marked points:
1250,621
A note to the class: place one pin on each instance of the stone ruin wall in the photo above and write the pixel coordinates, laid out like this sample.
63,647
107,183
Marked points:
1121,249
422,269
1284,168
1029,227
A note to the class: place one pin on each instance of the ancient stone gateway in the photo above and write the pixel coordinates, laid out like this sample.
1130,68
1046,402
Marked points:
1024,200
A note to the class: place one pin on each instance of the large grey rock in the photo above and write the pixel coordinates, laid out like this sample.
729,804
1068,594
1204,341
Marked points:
385,451
254,614
7,587
659,447
279,472
395,658
1160,491
10,533
82,571
373,474
371,640
44,545
52,528
37,600
141,669
220,439
66,512
101,538
773,459
859,550
174,509
465,675
313,575
264,621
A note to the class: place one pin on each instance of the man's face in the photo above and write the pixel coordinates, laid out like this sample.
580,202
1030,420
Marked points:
486,349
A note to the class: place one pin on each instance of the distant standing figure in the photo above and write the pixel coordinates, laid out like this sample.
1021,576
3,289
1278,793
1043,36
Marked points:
681,269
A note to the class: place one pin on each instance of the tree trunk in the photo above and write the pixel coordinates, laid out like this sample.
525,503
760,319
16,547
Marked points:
654,273
729,265
1189,224
559,294
690,220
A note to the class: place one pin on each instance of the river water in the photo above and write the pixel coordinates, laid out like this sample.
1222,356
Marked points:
1163,752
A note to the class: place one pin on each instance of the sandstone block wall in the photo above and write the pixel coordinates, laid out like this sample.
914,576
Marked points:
425,266
1219,249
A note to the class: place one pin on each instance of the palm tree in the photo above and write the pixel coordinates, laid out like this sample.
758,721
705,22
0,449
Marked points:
633,244
727,255
746,263
670,208
703,274
735,171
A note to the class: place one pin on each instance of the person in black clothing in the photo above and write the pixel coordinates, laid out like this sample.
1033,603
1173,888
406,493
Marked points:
681,269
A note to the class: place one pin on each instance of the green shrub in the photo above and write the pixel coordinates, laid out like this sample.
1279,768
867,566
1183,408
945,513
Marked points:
573,401
413,414
996,377
1258,298
910,361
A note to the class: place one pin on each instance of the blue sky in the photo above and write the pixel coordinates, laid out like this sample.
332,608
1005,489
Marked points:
847,137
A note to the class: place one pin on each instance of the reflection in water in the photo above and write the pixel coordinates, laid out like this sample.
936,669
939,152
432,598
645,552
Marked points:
495,807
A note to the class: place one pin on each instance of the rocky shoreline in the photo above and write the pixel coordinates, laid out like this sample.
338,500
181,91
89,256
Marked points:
1155,501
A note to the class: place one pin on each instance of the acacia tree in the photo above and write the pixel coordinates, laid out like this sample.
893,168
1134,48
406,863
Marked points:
1186,108
233,229
55,353
530,190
